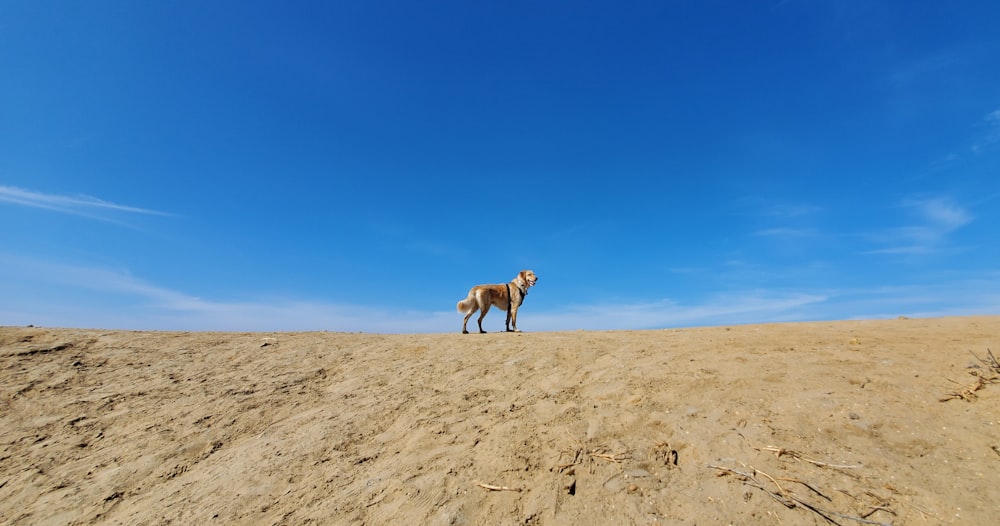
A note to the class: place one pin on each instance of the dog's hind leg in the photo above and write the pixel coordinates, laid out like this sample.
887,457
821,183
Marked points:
483,310
465,322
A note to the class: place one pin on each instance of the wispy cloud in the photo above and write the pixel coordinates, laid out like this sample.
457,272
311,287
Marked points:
990,136
936,219
791,210
734,307
82,205
117,299
943,215
53,294
132,303
984,139
790,220
927,67
786,233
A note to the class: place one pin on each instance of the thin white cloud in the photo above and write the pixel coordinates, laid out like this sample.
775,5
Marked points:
790,210
49,294
926,67
786,233
133,303
83,205
937,218
985,139
735,307
991,134
46,293
933,297
942,214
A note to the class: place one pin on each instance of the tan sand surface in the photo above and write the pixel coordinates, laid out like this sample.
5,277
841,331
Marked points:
798,423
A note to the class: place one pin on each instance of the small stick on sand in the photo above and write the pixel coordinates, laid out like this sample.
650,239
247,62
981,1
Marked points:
491,487
591,454
781,490
982,380
750,480
994,364
808,485
790,500
617,459
991,362
969,393
779,451
875,509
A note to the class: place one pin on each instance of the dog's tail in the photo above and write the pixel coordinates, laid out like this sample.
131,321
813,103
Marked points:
467,304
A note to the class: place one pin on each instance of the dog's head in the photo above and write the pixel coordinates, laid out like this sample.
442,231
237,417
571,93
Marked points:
527,277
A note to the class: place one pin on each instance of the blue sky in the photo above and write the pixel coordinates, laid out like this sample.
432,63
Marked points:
358,165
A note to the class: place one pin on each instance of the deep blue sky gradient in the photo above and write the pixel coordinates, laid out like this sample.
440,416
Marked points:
359,165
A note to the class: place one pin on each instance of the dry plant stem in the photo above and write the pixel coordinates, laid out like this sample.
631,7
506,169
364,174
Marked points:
790,500
799,456
969,393
808,485
613,458
779,451
750,480
991,362
781,490
877,508
578,455
492,487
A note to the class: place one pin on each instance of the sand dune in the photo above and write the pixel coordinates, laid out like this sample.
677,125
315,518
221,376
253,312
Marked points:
799,423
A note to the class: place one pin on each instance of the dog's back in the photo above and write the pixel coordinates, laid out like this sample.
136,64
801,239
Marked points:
482,295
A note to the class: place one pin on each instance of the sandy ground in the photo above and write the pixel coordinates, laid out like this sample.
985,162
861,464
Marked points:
804,423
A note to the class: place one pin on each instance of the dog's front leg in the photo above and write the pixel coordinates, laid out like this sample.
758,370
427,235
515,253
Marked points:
512,320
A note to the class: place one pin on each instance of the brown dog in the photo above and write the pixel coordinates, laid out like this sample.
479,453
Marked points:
508,297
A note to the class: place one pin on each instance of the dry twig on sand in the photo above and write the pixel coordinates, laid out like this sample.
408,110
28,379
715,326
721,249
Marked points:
492,487
968,393
790,500
991,375
808,485
780,451
581,455
991,361
617,458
